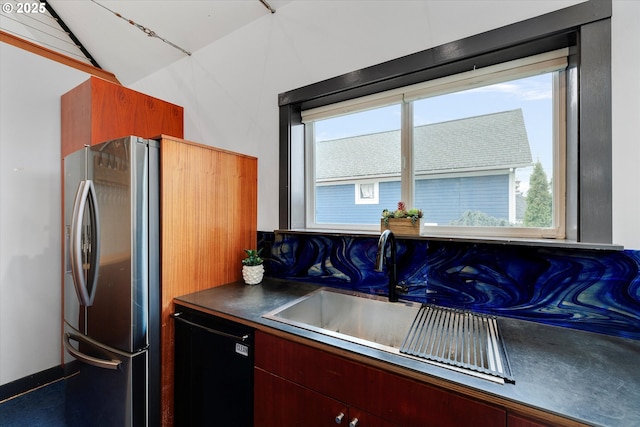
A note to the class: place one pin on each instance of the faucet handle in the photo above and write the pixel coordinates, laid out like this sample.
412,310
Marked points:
402,287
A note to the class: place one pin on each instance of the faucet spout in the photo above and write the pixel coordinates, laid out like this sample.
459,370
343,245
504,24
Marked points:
388,236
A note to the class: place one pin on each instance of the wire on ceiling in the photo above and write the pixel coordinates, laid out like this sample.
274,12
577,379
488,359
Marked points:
44,28
267,5
71,35
144,29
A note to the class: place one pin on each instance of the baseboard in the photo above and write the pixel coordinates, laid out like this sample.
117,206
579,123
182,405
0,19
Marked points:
23,385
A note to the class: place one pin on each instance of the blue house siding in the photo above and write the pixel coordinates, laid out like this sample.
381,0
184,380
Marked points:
336,204
333,203
447,199
442,200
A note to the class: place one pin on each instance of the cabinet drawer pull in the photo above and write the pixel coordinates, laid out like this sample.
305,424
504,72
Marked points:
353,423
339,418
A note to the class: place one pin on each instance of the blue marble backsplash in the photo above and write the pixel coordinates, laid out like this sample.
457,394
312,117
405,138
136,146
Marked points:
591,290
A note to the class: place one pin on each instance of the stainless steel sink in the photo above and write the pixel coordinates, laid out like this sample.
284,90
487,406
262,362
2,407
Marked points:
365,319
458,340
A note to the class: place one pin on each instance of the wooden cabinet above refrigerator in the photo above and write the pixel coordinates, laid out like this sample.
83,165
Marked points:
98,110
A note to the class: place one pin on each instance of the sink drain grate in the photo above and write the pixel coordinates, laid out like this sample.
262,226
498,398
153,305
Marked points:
460,338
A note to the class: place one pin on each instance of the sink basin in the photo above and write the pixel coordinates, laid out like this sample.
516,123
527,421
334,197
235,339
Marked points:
365,319
454,339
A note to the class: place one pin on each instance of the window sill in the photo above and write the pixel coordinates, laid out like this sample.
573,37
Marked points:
550,243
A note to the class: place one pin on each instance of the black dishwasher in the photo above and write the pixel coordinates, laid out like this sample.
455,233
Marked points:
213,371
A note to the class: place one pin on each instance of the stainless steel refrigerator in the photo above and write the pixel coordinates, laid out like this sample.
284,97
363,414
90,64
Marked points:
112,286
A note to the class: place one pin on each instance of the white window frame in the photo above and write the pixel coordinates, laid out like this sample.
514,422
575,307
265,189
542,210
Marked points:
375,193
542,63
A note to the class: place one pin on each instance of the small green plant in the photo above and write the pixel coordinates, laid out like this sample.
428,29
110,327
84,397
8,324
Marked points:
253,257
401,212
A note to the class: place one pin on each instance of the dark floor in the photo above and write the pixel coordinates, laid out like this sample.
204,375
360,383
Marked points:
43,407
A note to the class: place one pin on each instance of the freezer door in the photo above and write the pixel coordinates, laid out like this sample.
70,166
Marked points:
107,388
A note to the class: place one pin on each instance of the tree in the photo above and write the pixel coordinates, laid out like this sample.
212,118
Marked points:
479,219
539,201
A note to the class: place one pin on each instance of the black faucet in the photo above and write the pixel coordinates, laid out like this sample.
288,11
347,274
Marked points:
387,235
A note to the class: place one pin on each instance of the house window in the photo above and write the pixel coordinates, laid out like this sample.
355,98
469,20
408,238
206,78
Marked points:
480,153
367,193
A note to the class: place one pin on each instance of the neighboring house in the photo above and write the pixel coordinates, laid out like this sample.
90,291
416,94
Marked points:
460,165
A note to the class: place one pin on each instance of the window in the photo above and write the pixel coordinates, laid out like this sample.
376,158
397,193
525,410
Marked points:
367,193
584,29
480,153
345,156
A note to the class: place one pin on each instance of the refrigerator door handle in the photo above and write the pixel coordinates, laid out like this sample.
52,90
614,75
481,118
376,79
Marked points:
177,317
84,250
90,360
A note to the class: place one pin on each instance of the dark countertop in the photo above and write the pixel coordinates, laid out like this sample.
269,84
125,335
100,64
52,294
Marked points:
592,378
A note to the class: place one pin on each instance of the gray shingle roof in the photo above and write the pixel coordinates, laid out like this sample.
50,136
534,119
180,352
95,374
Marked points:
491,141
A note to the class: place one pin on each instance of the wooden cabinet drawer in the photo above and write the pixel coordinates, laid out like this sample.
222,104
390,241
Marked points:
279,402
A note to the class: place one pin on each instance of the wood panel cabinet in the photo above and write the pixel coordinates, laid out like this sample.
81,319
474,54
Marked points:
208,216
280,402
98,110
391,398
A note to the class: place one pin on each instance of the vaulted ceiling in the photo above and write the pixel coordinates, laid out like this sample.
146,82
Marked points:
131,38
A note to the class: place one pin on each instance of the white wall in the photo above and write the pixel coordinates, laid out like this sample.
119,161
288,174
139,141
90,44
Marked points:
229,91
30,311
625,56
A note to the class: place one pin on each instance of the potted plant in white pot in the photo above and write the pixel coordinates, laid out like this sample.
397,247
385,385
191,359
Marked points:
252,268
